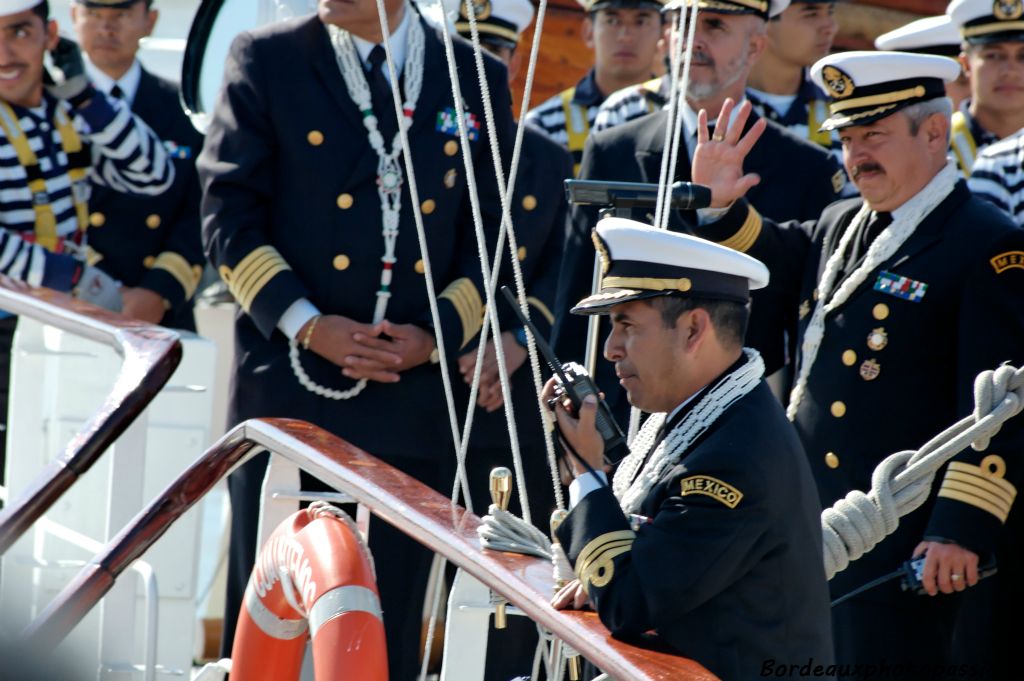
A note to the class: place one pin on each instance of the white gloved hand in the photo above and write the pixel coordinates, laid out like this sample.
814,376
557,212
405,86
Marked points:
99,288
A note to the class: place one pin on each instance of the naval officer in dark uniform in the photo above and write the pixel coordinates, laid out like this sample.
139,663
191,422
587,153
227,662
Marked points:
904,297
799,177
298,209
151,245
709,534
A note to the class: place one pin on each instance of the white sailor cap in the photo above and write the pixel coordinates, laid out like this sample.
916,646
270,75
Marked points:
766,9
866,86
988,21
499,20
639,261
931,35
8,7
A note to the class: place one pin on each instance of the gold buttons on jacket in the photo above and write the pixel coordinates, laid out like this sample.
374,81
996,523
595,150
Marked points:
880,311
315,137
345,201
529,202
831,460
849,358
97,219
149,260
428,206
420,267
153,221
450,177
341,262
521,252
451,147
838,409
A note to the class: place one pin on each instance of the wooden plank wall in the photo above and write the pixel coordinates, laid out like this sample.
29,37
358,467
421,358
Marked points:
563,57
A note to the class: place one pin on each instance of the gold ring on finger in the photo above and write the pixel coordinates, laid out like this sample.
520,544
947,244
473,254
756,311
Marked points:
956,578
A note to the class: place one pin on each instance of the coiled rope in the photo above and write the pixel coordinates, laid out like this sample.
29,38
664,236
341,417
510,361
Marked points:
901,482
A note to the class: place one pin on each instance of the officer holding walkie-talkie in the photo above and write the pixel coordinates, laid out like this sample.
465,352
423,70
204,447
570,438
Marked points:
709,533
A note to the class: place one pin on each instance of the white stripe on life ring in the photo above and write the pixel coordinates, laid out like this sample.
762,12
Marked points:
340,600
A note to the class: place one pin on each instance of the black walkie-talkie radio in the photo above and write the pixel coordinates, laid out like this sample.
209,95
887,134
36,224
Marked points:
575,383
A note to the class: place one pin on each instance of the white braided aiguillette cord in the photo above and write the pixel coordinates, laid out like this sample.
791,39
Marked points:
901,482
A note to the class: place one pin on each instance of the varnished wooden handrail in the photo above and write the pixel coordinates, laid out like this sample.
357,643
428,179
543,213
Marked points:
151,354
409,505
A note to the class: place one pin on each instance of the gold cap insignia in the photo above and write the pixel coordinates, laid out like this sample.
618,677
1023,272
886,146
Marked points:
1008,11
839,84
481,9
602,249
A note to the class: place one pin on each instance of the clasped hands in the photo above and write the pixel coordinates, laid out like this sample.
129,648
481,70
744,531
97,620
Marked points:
375,352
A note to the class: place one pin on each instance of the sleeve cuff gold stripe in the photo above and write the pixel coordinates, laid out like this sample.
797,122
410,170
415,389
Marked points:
466,299
977,471
746,236
249,296
542,308
599,572
176,265
250,259
982,483
241,279
985,494
598,543
972,500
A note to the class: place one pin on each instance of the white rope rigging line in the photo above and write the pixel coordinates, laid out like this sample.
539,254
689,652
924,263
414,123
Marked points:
682,52
674,125
905,222
485,266
507,229
901,482
414,198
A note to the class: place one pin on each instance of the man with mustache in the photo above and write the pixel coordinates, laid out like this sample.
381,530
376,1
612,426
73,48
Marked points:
309,219
55,139
904,297
709,533
624,37
149,244
801,178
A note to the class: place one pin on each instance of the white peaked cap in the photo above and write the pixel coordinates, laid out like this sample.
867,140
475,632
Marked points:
931,35
639,261
8,7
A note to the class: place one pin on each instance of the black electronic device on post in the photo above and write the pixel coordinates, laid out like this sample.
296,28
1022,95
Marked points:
576,384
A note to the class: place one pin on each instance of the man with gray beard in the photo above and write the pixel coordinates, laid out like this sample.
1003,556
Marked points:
798,178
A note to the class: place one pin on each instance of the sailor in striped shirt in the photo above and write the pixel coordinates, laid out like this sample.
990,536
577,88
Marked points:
993,58
999,175
779,86
53,140
624,36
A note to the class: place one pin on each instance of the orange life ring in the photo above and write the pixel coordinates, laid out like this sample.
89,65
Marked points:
314,577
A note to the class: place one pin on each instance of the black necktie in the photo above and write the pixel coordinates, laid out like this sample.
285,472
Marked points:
380,93
876,224
116,92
